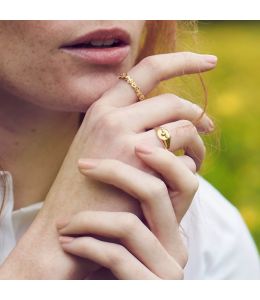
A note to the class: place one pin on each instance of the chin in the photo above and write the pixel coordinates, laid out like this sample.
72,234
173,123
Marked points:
74,94
79,101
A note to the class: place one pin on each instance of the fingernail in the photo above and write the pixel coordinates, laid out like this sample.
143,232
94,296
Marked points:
87,163
66,239
212,59
143,149
62,223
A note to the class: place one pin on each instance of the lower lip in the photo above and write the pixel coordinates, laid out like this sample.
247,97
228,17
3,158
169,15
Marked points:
100,56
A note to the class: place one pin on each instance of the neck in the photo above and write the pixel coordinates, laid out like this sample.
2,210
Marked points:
34,142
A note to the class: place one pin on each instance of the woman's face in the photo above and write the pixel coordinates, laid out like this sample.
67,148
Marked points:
35,67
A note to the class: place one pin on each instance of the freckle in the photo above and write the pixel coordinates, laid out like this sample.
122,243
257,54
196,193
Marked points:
16,143
33,130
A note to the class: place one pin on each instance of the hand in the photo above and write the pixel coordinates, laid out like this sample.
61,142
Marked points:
135,251
115,123
112,127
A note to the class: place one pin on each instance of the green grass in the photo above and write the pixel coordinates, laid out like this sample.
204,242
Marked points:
234,102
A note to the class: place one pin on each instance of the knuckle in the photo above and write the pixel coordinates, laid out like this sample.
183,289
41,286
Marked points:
169,95
193,185
96,108
179,274
183,259
116,256
187,61
187,56
186,123
124,145
152,63
80,217
187,127
110,121
96,111
181,104
129,223
196,108
158,190
147,61
192,128
175,102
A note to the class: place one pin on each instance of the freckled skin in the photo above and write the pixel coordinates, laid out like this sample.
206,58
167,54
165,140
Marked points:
34,69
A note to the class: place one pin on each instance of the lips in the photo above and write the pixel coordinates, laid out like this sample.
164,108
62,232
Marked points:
103,47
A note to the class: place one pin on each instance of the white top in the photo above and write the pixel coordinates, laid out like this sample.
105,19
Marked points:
219,243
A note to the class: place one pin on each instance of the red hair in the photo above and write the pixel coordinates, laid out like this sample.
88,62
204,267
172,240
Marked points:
161,36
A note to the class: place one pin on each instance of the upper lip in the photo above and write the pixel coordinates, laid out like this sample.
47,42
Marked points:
102,34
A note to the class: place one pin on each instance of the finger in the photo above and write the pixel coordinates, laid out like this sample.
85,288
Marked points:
188,162
184,135
163,109
153,69
131,232
112,256
150,191
178,177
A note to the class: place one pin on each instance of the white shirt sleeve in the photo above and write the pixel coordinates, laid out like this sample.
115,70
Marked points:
7,236
219,243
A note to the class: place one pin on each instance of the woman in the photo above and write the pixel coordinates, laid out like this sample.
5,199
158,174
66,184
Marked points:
119,216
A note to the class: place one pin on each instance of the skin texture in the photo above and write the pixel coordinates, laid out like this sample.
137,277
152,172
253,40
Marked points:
43,89
116,110
158,253
59,82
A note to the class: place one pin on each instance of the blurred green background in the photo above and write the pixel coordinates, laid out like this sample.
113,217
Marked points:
233,161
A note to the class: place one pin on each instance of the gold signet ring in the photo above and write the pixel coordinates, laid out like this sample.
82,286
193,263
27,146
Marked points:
164,135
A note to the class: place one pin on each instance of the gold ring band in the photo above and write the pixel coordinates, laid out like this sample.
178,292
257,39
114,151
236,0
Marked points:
133,84
164,135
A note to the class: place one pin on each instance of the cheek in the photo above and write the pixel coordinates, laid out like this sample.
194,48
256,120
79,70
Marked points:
25,58
26,71
56,82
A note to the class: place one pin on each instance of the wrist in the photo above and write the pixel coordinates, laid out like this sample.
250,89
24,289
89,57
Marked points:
38,255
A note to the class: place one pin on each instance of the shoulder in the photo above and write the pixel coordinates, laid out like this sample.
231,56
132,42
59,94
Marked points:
219,243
